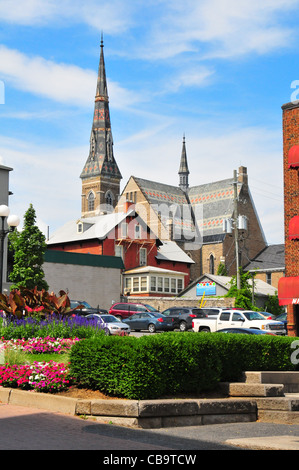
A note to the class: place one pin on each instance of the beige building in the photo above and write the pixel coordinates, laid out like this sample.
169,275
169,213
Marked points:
4,199
194,218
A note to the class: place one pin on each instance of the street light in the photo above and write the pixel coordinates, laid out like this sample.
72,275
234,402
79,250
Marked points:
12,222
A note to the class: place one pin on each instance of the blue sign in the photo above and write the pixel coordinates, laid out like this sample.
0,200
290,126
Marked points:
206,288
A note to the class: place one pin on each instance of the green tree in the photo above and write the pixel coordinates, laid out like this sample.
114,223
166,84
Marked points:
221,271
29,248
272,305
243,295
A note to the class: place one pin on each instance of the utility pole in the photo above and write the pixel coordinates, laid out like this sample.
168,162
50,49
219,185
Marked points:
236,223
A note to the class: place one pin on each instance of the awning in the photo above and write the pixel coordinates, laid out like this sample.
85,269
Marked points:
293,157
288,290
294,228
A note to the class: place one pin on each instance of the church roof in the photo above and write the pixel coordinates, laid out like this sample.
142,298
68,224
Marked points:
211,203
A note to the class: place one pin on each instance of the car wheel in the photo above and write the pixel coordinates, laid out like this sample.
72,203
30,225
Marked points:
151,328
183,326
205,330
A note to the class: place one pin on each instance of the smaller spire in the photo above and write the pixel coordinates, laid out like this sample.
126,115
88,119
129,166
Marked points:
184,170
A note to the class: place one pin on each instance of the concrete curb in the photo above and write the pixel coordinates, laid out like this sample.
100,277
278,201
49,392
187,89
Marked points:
147,414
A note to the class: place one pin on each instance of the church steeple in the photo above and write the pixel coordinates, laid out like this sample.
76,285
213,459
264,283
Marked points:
100,175
183,170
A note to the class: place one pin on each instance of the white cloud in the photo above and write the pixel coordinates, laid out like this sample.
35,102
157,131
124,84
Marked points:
218,28
114,16
209,28
63,83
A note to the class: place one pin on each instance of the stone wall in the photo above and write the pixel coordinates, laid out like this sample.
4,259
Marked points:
162,303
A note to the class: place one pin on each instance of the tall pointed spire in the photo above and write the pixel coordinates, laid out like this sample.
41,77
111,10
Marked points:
101,161
183,170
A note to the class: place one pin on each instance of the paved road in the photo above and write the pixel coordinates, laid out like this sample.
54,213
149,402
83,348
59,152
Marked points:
24,428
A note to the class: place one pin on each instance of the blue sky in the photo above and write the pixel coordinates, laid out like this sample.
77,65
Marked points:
217,71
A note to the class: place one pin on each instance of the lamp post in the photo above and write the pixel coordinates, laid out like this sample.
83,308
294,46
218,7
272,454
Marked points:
12,222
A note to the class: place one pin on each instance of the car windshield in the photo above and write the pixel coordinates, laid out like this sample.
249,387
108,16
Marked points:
282,316
108,318
140,308
196,310
150,308
77,303
253,316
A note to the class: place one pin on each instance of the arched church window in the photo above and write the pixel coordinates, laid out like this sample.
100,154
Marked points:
90,201
211,264
109,199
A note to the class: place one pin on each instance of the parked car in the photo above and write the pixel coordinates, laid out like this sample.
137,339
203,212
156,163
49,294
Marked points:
151,321
124,310
183,316
212,311
246,331
268,315
110,324
86,309
283,318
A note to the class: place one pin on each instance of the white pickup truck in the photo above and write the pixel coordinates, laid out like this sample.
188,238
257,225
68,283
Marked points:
237,319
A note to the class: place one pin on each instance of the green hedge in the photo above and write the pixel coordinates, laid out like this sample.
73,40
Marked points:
146,367
171,363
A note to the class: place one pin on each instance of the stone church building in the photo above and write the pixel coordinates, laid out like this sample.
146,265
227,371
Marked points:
193,217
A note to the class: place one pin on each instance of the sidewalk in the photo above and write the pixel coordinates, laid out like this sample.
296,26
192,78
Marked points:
24,428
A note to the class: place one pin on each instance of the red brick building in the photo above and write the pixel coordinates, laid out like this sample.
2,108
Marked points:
288,287
152,267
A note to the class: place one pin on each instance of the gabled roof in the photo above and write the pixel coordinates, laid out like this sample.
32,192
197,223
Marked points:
271,258
211,202
93,227
261,288
170,251
153,269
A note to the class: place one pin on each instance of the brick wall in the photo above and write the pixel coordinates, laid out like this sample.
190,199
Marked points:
290,123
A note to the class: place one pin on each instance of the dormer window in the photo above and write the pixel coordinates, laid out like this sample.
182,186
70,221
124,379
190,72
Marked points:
80,227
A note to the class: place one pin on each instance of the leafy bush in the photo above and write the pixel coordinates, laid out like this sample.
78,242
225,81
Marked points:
146,367
240,353
170,363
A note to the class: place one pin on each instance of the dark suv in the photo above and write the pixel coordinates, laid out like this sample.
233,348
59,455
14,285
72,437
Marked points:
86,308
123,310
183,316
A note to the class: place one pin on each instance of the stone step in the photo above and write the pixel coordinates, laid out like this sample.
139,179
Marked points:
290,379
240,389
278,416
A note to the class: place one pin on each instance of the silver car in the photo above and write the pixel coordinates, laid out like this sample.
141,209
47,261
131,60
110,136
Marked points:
111,324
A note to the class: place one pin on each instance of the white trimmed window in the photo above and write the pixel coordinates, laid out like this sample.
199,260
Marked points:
119,251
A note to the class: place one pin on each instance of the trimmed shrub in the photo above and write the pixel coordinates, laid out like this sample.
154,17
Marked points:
240,353
171,363
146,367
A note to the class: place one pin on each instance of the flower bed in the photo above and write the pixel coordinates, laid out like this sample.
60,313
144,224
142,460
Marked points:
41,345
48,377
